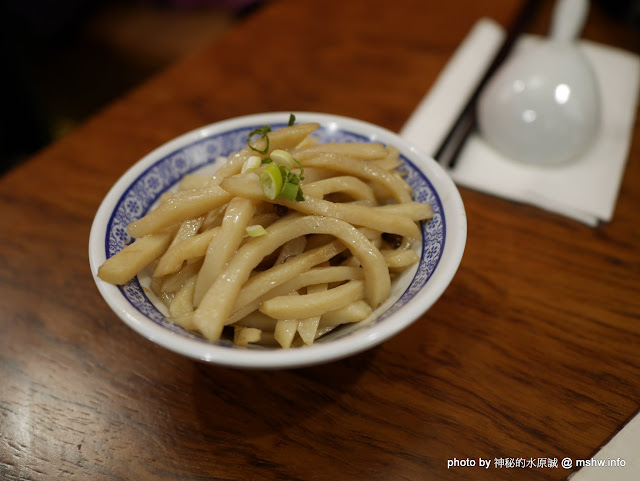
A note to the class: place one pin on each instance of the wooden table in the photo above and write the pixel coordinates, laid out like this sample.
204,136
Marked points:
533,351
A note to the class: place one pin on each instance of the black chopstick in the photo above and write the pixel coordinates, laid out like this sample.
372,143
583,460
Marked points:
447,153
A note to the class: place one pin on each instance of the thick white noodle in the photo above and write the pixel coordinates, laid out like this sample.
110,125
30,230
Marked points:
216,306
224,244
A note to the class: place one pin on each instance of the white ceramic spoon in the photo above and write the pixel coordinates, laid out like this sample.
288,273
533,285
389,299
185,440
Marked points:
543,105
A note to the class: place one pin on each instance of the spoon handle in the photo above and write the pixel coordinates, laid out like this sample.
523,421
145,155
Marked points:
568,18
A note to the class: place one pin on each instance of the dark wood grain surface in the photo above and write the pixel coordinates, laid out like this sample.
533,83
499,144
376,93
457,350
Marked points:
533,351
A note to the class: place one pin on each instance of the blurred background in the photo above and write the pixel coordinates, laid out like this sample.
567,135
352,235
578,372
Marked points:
63,60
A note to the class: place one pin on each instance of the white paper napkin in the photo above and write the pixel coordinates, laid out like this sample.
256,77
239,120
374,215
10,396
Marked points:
618,460
585,190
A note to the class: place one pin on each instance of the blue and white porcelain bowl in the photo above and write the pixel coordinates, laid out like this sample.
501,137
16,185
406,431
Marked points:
413,293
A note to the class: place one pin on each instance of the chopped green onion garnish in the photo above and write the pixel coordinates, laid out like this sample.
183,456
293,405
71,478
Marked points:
282,157
291,185
301,168
262,131
255,230
276,178
288,176
251,163
271,181
290,190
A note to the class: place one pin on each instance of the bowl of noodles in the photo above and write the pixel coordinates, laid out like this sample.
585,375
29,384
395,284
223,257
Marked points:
277,240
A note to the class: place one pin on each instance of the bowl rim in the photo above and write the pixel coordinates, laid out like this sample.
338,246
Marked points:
358,341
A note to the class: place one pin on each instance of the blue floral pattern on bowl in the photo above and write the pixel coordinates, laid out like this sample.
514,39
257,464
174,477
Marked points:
165,173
